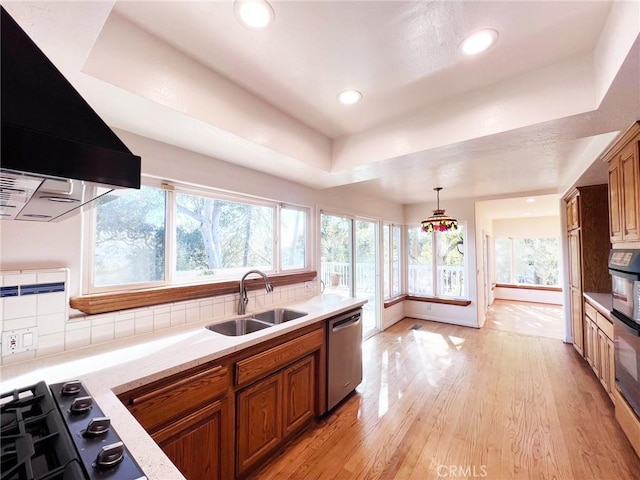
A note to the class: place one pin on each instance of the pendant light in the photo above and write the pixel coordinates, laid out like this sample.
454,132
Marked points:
439,222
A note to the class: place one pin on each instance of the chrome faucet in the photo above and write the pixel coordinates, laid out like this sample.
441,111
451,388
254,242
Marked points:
244,299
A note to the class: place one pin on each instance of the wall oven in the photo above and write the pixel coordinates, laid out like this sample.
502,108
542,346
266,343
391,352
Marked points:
624,267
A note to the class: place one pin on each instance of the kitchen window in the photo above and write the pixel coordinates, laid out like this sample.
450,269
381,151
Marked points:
528,261
170,235
435,263
391,235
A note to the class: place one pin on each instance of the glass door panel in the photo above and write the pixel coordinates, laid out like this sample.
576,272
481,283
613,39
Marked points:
336,241
366,255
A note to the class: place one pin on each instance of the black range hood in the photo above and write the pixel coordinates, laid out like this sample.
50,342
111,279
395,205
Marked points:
51,134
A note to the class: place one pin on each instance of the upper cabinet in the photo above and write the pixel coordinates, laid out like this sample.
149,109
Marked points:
624,186
573,215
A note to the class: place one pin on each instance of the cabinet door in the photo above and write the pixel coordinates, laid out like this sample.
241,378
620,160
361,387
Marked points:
607,369
575,264
259,421
594,344
630,188
199,444
573,214
576,320
611,364
299,394
615,199
604,360
588,340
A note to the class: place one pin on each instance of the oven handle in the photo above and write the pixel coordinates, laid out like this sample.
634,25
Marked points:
627,275
629,323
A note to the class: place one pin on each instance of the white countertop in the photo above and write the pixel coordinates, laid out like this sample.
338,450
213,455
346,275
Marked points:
602,301
119,366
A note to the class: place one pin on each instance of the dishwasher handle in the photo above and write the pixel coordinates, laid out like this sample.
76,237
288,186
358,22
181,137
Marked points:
351,321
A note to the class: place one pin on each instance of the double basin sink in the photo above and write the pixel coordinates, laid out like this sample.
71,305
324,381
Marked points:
256,322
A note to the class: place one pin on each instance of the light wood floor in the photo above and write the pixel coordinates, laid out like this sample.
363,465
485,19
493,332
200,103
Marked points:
528,318
451,402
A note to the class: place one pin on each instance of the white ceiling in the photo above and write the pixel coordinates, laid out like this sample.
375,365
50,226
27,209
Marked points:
529,115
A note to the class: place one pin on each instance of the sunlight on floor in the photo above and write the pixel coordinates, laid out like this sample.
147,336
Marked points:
383,398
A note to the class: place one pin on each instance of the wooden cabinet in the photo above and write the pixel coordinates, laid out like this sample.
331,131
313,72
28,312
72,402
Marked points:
577,328
599,346
190,417
195,444
588,252
272,410
259,422
299,395
624,186
573,217
222,421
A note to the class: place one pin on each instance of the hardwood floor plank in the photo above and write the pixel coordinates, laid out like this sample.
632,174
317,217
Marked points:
445,401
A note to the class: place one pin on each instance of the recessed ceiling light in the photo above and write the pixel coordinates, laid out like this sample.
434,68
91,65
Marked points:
479,41
531,200
349,97
254,14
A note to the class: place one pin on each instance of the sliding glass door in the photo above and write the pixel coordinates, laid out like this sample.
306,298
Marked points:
349,263
366,281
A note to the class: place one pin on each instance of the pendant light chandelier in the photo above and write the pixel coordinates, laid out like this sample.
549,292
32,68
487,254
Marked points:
439,222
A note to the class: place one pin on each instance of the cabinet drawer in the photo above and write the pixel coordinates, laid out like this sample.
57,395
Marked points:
589,311
157,407
605,325
277,357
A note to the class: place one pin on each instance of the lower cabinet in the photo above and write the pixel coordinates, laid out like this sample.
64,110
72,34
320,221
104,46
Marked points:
190,417
576,320
259,421
607,372
219,422
196,444
598,334
272,410
299,394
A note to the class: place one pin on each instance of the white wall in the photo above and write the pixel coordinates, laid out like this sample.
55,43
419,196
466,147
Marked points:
464,211
529,295
538,227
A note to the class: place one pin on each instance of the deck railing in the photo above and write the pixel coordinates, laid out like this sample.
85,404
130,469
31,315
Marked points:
450,279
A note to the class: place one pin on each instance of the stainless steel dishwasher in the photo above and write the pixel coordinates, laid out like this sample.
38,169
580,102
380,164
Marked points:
344,355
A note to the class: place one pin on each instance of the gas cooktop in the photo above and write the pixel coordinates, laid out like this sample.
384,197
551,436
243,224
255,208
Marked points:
58,432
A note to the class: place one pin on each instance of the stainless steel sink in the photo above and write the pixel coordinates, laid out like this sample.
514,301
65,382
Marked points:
239,326
279,315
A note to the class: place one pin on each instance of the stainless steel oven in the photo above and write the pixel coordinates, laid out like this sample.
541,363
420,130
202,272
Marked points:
624,267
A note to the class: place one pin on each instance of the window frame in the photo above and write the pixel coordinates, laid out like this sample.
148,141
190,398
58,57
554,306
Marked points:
512,262
388,292
434,265
171,189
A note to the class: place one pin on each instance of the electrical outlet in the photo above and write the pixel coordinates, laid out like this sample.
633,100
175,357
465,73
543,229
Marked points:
12,343
18,341
428,306
307,286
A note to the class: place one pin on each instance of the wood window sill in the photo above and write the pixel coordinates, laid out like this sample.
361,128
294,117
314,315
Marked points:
529,287
419,298
112,302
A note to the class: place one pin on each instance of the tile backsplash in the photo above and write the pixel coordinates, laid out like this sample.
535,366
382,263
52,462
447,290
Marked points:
44,306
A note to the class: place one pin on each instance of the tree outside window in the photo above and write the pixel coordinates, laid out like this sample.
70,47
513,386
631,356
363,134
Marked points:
436,263
528,261
210,237
130,238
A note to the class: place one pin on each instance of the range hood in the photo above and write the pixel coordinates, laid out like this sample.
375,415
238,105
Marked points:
57,154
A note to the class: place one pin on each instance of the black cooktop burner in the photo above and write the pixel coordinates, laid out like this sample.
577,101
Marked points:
33,437
48,434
